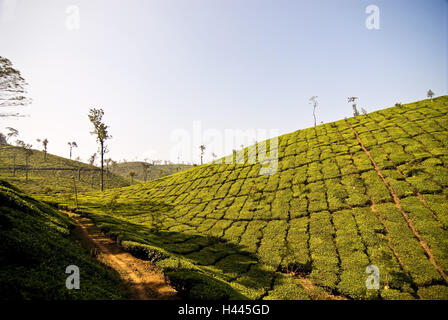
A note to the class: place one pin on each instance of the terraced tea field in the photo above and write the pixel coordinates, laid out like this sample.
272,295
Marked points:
368,190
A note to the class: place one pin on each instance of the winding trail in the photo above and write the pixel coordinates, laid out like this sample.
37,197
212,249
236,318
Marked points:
142,280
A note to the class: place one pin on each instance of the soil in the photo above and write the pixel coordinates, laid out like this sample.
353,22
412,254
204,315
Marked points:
141,279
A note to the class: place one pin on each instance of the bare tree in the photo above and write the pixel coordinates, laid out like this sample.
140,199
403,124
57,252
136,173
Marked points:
355,110
72,145
430,94
315,103
12,88
202,148
100,130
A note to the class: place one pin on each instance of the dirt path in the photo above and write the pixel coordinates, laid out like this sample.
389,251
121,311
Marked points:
142,279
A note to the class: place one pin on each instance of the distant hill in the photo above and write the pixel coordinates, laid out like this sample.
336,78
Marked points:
53,175
145,171
367,192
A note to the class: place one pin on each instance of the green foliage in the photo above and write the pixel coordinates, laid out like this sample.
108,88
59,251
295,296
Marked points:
224,231
35,250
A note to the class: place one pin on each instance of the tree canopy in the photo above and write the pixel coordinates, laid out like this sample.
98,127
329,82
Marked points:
12,88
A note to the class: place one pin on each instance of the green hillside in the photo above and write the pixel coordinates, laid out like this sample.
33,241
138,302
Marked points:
368,190
36,249
145,171
53,174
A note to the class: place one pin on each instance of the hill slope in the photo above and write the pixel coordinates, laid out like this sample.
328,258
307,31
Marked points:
35,250
53,175
145,171
369,190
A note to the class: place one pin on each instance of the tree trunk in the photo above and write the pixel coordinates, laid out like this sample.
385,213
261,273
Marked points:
26,160
102,165
14,167
314,114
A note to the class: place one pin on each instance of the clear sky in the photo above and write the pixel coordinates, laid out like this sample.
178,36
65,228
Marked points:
156,66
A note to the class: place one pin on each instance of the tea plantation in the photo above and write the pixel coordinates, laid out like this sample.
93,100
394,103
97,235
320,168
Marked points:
368,190
145,171
52,174
36,247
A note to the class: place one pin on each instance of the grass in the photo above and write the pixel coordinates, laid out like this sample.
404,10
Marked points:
224,231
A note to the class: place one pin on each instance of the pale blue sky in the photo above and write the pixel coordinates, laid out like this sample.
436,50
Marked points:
157,66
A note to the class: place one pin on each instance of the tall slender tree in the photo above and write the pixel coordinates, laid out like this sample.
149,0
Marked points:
26,148
100,130
353,101
314,102
44,146
12,133
72,145
430,94
202,148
